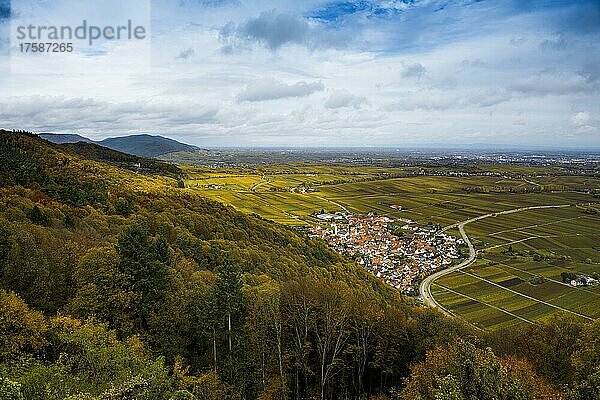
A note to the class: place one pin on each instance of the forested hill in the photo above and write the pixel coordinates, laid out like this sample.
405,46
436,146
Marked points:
146,145
139,145
116,284
68,190
93,151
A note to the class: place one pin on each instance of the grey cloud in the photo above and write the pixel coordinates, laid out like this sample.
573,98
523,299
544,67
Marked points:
438,100
413,71
274,30
517,41
489,98
272,90
545,84
343,98
478,63
591,71
75,114
422,100
186,54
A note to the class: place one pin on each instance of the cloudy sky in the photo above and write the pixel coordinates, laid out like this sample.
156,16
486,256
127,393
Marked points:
332,73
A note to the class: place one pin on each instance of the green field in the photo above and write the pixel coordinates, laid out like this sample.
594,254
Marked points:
521,256
502,288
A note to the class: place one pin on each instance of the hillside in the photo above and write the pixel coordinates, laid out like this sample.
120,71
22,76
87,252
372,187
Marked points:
60,138
146,145
66,179
96,152
139,145
121,285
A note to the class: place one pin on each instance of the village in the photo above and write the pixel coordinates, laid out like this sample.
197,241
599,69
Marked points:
398,256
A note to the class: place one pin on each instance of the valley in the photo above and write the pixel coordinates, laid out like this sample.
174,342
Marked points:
539,223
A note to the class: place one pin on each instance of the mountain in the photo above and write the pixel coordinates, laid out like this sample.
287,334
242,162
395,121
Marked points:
146,145
139,145
60,138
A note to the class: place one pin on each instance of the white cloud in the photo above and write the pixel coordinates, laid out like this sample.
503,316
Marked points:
343,98
580,119
427,75
270,89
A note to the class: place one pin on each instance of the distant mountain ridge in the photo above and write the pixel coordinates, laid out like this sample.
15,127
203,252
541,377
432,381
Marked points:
62,138
139,145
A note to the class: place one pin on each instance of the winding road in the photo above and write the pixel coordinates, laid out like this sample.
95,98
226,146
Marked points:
425,287
335,204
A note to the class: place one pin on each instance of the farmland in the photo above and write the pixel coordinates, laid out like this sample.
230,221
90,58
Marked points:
521,256
517,276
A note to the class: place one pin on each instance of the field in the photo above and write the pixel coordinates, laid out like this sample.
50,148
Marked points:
517,276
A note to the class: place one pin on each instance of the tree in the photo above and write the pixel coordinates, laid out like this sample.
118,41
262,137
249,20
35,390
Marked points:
206,386
299,312
588,388
264,326
332,330
21,329
462,371
549,347
103,291
145,264
10,390
227,315
37,216
364,319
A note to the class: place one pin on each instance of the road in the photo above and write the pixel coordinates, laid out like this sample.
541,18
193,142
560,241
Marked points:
257,185
335,203
425,287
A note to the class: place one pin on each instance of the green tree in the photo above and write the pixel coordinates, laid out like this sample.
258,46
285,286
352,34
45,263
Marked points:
264,327
549,347
103,291
145,264
10,390
21,329
37,216
332,330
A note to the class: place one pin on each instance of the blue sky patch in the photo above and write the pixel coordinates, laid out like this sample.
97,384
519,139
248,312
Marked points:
4,10
336,11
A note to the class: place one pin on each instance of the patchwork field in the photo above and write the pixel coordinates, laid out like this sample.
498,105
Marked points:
521,257
517,276
289,194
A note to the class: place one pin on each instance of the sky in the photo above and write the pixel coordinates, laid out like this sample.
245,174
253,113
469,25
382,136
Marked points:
362,73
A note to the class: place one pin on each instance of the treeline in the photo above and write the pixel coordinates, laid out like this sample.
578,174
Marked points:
141,290
517,189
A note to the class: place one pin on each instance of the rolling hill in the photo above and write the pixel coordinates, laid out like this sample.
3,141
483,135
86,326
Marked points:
61,138
146,145
139,145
